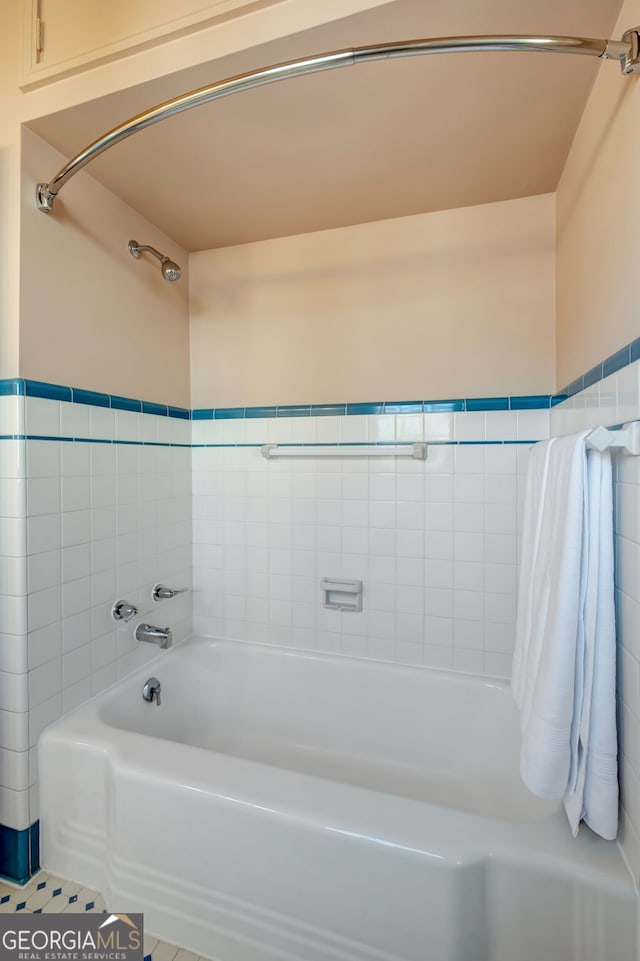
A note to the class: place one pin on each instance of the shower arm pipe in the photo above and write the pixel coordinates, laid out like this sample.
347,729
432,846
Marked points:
136,249
625,51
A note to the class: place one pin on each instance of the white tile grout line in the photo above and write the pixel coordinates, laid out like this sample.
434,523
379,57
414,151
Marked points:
45,894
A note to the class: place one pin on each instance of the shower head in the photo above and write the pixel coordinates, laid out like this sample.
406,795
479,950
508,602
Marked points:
170,270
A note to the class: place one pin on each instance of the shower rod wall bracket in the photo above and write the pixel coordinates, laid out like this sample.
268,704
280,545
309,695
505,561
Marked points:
626,51
44,198
630,59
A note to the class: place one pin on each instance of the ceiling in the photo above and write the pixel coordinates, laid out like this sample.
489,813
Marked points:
379,140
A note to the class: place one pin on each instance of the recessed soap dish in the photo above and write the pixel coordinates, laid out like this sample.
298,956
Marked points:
341,594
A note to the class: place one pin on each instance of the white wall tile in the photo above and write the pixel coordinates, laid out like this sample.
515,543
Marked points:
76,596
45,682
14,730
42,417
14,693
102,423
379,427
75,493
470,426
43,458
467,633
13,655
13,615
11,415
501,425
14,808
44,644
76,665
355,429
14,497
14,769
533,424
13,576
43,496
437,427
43,607
13,536
75,459
410,428
497,664
75,528
103,459
12,458
468,661
74,420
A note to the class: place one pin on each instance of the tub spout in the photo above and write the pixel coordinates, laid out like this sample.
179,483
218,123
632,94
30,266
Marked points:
162,636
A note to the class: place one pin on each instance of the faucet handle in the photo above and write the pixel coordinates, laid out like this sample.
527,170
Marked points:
123,611
161,593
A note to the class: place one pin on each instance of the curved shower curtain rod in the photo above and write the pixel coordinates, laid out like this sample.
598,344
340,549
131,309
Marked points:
626,51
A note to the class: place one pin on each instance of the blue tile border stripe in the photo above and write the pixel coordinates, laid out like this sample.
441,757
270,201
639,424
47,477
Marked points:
149,408
460,405
443,406
325,410
488,403
18,386
13,386
126,403
37,388
534,402
628,354
610,365
182,413
92,397
228,413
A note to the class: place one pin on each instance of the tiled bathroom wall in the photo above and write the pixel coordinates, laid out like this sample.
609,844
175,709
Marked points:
98,499
612,401
14,715
435,541
102,497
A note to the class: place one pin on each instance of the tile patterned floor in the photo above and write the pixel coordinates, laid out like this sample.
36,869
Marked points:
45,894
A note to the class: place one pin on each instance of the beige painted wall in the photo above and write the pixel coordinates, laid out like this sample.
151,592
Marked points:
448,304
90,315
180,54
10,106
598,296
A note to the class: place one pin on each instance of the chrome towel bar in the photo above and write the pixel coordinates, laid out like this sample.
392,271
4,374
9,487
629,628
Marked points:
417,451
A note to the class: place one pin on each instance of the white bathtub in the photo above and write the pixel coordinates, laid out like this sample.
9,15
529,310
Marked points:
280,805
